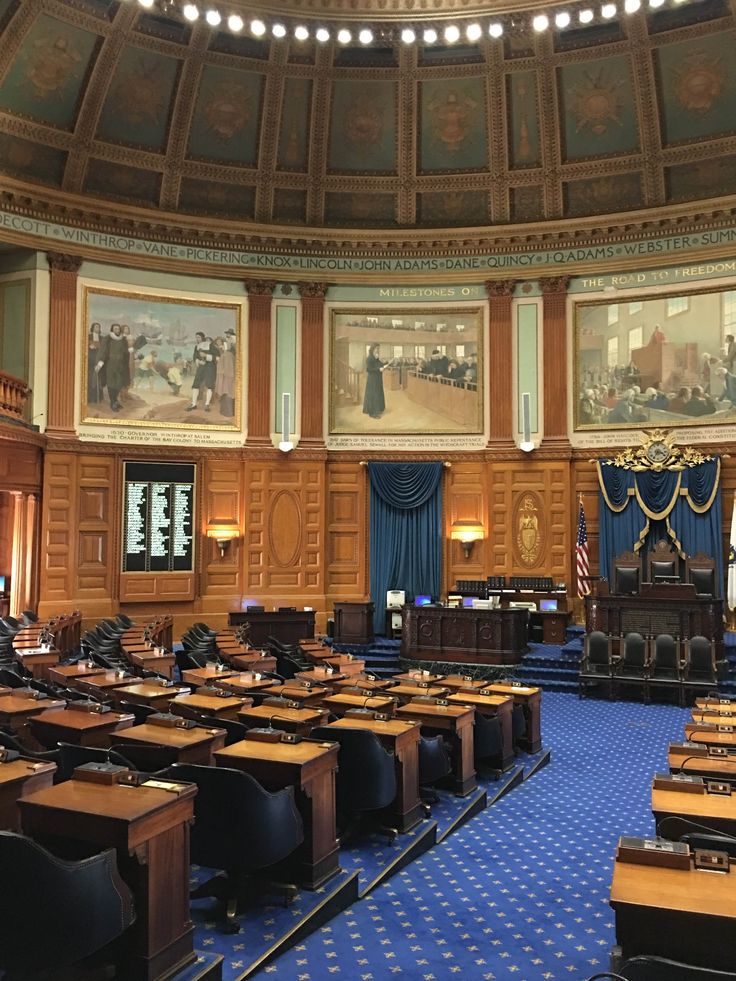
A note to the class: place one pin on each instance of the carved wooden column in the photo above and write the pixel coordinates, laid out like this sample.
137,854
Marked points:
62,344
260,295
554,301
500,294
312,355
22,572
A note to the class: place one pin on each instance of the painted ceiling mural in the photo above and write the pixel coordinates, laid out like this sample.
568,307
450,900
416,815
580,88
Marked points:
104,98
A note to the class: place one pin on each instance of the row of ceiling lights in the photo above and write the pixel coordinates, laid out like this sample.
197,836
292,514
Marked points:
409,35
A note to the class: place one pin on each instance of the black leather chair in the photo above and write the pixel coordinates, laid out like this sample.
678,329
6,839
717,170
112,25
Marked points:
11,679
139,712
236,731
71,756
649,968
8,741
145,759
435,764
55,913
518,725
240,828
487,745
632,669
665,668
596,665
366,779
710,841
701,670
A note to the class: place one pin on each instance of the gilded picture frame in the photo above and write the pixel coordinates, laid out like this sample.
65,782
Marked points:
160,361
655,360
398,371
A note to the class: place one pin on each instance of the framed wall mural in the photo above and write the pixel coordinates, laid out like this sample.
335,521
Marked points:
149,360
406,372
665,360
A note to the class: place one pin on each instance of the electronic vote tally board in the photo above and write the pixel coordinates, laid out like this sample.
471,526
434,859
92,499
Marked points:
158,517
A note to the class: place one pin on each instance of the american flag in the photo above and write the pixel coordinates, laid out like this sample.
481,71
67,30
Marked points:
582,556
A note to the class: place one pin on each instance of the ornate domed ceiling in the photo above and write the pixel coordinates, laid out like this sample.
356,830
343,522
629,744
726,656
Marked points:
103,98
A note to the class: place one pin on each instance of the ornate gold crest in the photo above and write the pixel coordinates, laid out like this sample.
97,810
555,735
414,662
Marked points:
528,531
657,452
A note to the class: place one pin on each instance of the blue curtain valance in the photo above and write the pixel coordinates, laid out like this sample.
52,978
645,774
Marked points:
405,485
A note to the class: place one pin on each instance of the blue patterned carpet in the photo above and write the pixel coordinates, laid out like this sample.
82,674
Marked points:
520,890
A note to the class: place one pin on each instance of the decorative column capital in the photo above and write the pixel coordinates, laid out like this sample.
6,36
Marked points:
260,287
313,291
62,262
499,287
554,284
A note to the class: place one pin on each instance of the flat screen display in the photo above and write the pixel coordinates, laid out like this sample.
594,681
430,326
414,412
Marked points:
468,601
158,517
548,605
422,600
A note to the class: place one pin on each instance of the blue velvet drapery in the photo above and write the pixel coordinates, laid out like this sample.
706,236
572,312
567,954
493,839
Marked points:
405,530
638,509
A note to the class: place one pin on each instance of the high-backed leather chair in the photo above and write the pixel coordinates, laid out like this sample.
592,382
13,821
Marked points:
665,667
632,669
239,827
434,764
662,561
596,664
701,572
700,673
626,573
487,743
54,913
366,776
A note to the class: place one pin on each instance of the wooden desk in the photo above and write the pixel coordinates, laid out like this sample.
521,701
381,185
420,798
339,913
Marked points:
425,677
205,676
725,707
348,665
196,745
698,732
353,623
463,682
340,703
401,736
438,633
149,693
297,693
245,683
65,725
405,692
212,705
100,685
146,659
683,759
15,711
530,700
713,718
322,675
286,627
69,674
301,720
149,829
310,768
553,623
366,684
19,778
496,706
716,811
458,722
681,914
36,660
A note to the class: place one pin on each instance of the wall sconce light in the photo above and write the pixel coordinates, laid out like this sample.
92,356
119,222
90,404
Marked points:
467,533
223,536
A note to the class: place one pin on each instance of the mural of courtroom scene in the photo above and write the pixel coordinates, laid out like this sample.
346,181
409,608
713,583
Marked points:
160,362
406,372
661,361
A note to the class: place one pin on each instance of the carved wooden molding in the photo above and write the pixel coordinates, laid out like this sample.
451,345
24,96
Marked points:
61,262
554,284
260,287
499,287
313,291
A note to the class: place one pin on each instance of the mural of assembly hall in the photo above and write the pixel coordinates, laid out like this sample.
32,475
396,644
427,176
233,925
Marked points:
107,99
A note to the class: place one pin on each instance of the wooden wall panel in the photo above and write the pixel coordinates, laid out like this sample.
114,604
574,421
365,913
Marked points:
97,515
20,466
223,503
346,570
6,533
465,498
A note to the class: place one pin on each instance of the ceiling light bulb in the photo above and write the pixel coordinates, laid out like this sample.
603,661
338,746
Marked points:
631,6
473,32
540,23
278,30
656,3
495,30
344,36
257,28
146,3
212,17
585,16
365,36
608,10
562,19
430,36
301,33
452,34
235,23
322,35
190,11
408,36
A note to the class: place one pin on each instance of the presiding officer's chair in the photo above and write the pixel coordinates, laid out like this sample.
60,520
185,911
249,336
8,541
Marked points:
239,827
366,778
55,913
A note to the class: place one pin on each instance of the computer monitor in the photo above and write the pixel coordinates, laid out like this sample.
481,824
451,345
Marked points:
2,584
548,606
255,609
468,601
422,601
395,598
